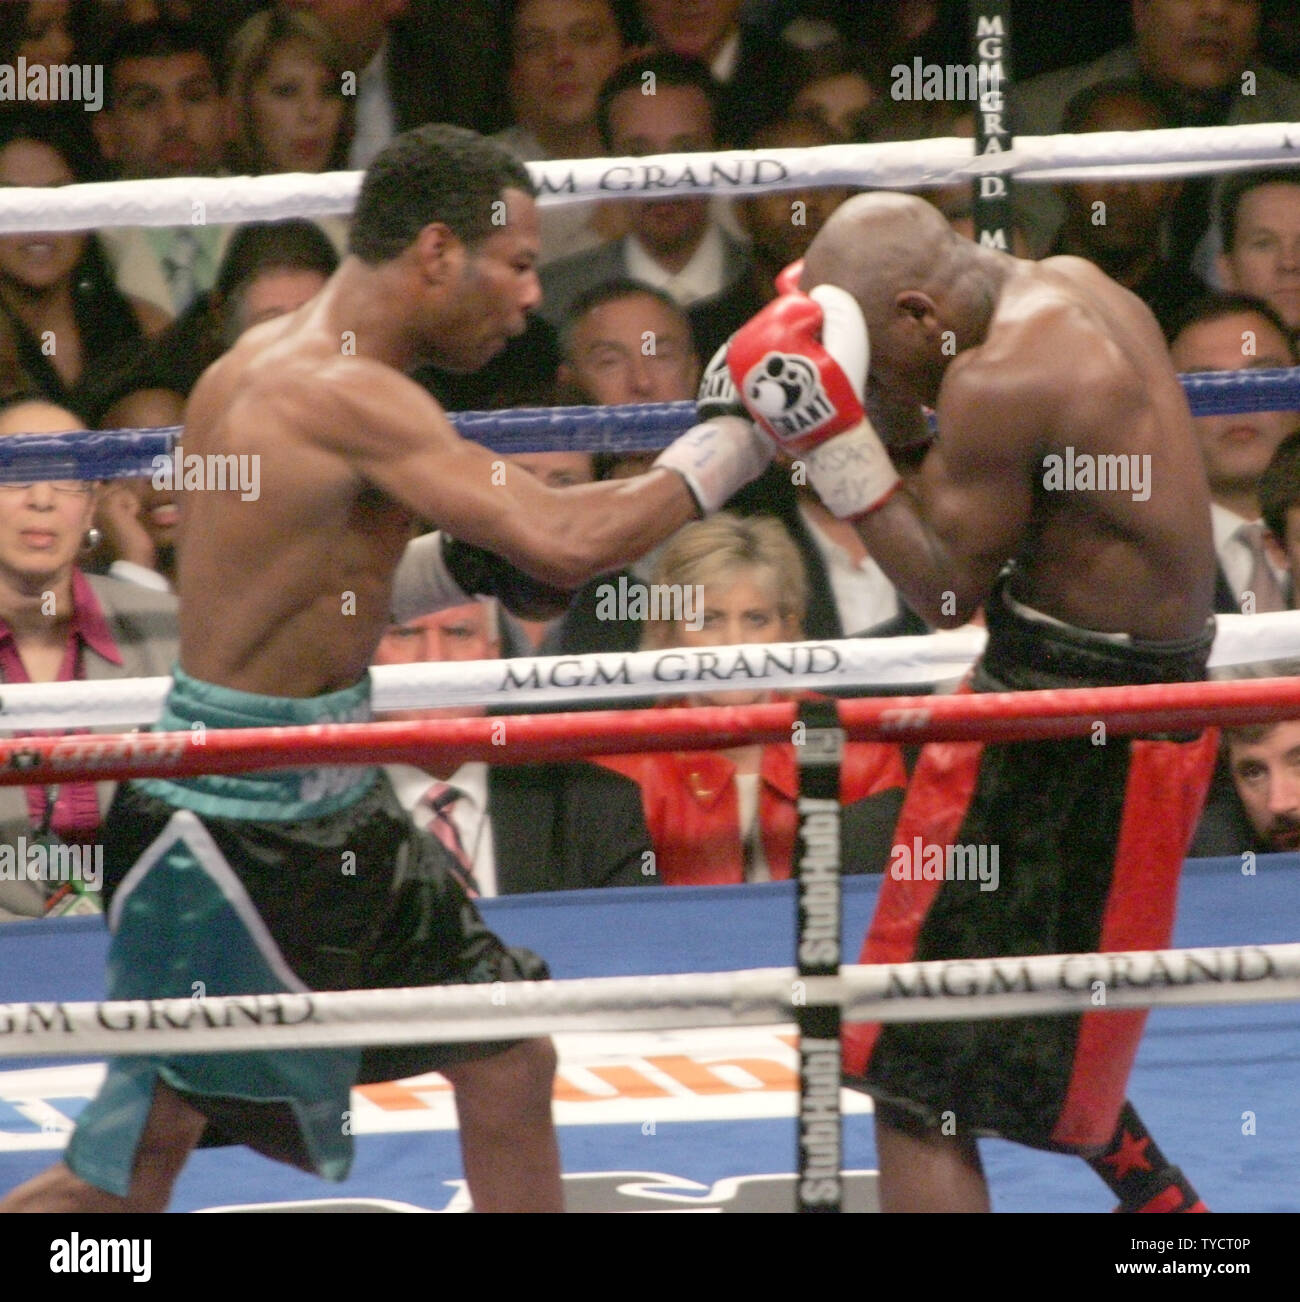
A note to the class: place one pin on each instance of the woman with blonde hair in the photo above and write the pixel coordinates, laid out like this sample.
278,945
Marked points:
717,817
284,87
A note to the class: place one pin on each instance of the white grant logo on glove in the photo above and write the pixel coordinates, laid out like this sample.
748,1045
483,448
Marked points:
787,392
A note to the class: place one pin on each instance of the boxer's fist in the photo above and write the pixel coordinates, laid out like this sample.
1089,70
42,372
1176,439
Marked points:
481,573
800,367
787,376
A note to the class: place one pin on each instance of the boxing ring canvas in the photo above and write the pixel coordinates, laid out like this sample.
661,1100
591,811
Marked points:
704,1120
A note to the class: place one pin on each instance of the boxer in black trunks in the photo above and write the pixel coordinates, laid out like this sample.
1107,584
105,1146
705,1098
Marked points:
314,879
1065,495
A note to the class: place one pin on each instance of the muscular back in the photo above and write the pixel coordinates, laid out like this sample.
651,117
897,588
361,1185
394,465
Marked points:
1065,443
286,594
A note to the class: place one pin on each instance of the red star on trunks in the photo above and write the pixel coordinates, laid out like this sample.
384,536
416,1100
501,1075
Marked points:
1131,1156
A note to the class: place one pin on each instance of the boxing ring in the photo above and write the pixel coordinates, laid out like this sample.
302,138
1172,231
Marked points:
675,1010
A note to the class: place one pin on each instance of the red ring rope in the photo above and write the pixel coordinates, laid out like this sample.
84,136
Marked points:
522,739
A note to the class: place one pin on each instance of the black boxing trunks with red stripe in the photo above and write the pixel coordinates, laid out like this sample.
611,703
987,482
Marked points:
1023,848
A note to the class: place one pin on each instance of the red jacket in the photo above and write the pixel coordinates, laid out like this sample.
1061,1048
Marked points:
692,808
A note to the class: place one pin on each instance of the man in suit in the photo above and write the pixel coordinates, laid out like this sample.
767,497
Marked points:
1231,332
742,51
1259,226
1202,59
515,828
561,53
674,243
163,118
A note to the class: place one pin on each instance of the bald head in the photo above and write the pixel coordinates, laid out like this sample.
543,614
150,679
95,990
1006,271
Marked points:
921,288
880,245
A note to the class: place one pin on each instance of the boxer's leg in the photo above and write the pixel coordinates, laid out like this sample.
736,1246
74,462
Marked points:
1139,1174
507,1138
173,1129
924,1170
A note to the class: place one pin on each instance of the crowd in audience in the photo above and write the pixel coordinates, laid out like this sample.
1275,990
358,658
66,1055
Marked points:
113,329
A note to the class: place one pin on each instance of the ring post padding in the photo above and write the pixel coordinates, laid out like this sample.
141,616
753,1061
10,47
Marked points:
819,745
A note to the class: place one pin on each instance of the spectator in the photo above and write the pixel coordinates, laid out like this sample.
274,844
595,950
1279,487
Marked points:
137,521
1203,60
39,32
163,117
745,55
605,364
1119,225
56,291
414,61
781,225
1225,332
58,624
269,268
1254,803
1259,223
718,817
674,244
284,87
561,52
1279,503
626,342
835,101
517,828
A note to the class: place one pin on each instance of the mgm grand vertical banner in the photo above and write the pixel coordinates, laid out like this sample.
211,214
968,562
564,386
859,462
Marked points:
991,32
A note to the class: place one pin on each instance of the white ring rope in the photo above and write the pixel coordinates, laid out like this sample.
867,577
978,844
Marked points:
914,164
1242,641
952,989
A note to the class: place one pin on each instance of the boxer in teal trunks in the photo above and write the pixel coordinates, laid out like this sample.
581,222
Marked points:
239,883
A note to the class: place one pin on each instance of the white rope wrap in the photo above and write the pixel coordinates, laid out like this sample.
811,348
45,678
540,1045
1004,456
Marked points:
951,990
907,662
914,164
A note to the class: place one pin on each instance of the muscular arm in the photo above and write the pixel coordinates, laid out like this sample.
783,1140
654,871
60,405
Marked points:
396,437
944,536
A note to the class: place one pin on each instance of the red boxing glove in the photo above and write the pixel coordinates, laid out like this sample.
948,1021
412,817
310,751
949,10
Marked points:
799,367
787,378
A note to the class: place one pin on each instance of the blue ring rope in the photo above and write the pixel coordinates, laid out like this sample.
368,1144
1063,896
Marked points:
131,453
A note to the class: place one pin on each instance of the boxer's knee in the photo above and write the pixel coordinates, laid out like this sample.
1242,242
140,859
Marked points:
512,1086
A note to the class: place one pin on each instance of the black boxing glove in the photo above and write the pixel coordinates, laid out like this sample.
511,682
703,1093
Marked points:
718,396
437,571
485,574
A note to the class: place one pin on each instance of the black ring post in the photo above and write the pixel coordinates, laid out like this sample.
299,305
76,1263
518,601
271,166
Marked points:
991,42
817,863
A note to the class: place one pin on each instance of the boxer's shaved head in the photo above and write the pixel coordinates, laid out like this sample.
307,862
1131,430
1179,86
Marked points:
880,245
915,280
